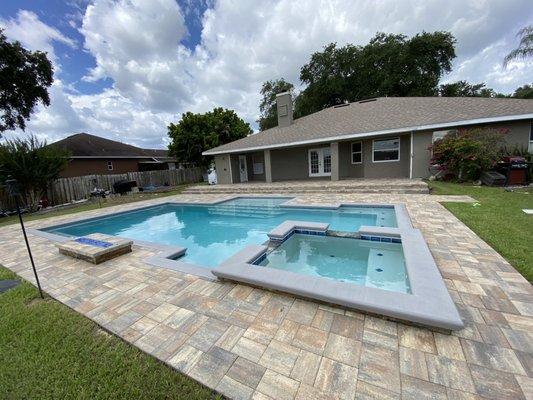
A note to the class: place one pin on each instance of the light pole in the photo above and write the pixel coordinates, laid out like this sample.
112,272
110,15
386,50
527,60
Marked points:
12,190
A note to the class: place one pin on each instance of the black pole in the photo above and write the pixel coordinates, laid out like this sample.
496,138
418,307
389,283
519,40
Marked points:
13,190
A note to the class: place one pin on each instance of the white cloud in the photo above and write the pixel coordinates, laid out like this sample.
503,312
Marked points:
34,34
155,78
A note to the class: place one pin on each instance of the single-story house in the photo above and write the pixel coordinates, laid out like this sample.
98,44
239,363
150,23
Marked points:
95,155
375,138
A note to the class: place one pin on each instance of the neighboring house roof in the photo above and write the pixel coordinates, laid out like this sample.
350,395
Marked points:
381,116
84,145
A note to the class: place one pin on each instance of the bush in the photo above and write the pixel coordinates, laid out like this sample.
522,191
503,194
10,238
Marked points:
469,152
33,164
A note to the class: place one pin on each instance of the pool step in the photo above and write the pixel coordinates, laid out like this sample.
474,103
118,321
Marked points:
244,210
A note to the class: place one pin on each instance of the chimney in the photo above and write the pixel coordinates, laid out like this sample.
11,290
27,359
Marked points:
284,106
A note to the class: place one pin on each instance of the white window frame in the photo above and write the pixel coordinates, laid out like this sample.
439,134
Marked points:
356,152
381,140
110,166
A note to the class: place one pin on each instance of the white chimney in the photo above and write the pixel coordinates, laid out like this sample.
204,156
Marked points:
284,106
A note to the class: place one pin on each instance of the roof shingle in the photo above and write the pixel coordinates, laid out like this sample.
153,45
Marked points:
383,114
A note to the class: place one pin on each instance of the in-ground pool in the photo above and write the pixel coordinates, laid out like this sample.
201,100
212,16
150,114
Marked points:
213,233
364,262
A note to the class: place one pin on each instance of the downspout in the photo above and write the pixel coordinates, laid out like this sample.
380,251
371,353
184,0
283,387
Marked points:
412,154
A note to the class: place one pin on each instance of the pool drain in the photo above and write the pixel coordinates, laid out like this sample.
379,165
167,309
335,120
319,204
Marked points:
379,270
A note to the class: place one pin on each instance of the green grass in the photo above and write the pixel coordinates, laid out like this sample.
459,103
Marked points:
48,351
497,218
93,205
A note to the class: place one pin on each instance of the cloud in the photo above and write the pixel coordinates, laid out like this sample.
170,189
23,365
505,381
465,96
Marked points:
34,34
138,45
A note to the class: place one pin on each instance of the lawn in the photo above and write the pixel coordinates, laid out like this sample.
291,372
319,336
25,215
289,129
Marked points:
92,205
497,218
49,351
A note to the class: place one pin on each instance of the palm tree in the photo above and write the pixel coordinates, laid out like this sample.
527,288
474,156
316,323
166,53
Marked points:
525,48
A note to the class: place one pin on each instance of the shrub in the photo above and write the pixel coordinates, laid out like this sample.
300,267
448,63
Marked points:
33,164
468,152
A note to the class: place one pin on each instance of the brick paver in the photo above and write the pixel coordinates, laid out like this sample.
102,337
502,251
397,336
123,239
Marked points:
248,343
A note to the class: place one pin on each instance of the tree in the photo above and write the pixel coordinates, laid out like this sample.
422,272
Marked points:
465,89
525,47
269,112
33,164
24,80
195,133
524,92
389,65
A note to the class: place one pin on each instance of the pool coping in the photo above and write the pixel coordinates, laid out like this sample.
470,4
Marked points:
429,304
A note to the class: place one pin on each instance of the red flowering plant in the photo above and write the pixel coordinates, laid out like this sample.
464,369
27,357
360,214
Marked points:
468,152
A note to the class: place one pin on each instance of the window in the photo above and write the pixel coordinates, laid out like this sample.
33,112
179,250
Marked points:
258,167
110,165
357,152
385,150
437,135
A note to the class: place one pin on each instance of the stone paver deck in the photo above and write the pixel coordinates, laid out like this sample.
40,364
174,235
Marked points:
248,343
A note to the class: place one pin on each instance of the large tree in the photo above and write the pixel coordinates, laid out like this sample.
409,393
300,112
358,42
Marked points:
525,47
267,107
389,65
524,92
33,164
195,133
24,80
465,89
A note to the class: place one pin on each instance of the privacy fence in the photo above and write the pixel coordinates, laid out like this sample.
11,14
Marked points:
67,190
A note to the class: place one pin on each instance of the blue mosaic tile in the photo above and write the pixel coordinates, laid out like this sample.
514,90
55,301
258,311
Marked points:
395,240
93,242
386,239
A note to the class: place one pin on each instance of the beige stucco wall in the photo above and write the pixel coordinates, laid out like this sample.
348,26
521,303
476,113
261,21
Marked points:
223,169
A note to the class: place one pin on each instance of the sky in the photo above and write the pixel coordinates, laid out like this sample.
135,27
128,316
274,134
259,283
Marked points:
125,69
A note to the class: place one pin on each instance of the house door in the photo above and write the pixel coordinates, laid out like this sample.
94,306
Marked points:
243,169
320,162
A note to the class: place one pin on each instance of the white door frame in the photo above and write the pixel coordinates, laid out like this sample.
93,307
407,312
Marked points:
243,174
320,151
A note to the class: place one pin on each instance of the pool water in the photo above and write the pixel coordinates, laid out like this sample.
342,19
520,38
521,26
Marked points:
213,233
379,265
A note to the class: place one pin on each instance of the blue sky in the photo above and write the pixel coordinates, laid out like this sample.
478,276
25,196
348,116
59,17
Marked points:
124,69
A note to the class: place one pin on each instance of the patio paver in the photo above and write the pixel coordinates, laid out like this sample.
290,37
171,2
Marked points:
248,343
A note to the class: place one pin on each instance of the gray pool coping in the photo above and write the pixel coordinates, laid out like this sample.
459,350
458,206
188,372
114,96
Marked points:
286,228
428,304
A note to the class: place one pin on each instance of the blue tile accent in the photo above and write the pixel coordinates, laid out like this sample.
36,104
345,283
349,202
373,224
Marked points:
93,242
386,239
364,237
375,238
395,240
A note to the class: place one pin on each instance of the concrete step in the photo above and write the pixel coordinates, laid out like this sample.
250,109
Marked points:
397,189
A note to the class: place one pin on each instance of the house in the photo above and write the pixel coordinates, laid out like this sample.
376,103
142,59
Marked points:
95,155
386,137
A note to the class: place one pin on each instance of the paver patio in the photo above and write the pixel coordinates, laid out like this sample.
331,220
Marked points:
250,343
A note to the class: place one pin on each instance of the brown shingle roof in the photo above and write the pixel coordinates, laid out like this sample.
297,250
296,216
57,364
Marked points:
86,145
383,114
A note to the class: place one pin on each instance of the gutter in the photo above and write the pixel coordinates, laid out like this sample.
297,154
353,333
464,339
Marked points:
375,133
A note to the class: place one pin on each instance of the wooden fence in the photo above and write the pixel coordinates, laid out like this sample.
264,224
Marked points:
67,190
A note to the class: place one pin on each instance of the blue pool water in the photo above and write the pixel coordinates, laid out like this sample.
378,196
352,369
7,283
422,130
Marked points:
380,265
213,233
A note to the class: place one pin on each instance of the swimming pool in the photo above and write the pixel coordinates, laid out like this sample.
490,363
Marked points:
363,262
213,233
